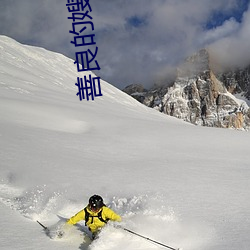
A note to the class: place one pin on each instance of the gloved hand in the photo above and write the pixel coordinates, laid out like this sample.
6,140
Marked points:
62,230
60,233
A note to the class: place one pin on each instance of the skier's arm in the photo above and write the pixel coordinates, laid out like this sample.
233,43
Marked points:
110,214
77,217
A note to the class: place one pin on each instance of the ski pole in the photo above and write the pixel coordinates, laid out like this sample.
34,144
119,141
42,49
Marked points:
45,228
146,238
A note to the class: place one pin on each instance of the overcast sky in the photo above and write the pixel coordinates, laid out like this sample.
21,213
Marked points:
139,41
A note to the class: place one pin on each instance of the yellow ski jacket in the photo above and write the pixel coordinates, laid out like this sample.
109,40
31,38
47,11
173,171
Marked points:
94,223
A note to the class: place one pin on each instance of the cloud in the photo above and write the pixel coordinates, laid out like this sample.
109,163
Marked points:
228,28
233,49
139,41
41,23
168,32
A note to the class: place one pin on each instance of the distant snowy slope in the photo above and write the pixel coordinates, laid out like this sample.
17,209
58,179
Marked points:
179,184
37,69
40,76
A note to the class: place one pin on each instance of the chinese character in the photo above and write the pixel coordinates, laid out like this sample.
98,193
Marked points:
77,5
82,40
81,30
89,89
85,60
79,16
82,60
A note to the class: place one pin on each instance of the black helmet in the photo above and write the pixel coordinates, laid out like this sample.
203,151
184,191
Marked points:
96,202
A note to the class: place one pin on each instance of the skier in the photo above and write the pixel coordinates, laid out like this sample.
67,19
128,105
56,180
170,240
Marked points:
95,214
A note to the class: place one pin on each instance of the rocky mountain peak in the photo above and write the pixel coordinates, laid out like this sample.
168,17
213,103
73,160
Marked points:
202,97
196,64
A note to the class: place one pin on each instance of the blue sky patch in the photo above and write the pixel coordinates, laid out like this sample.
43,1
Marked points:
136,21
219,17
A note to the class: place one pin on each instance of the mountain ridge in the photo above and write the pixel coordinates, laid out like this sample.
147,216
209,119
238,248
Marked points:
202,96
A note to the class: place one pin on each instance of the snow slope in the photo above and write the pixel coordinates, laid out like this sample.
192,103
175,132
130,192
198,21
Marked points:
176,183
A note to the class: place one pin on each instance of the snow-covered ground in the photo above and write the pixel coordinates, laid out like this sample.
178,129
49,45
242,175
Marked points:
181,185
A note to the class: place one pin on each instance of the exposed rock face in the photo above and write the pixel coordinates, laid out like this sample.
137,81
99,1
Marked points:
134,88
137,91
237,81
199,97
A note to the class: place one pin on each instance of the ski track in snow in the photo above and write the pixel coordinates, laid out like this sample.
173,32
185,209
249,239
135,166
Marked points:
145,214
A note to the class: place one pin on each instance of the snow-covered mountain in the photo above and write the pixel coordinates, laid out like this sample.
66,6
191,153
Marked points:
201,96
182,185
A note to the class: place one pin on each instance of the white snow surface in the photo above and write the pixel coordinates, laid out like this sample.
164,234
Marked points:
182,185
